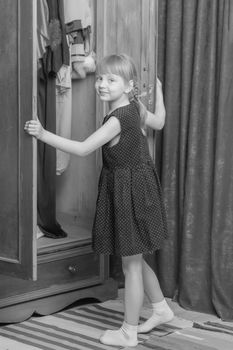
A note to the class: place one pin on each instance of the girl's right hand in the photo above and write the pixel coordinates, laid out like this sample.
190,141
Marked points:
159,84
159,96
34,128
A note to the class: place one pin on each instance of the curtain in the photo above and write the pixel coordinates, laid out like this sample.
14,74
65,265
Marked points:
195,153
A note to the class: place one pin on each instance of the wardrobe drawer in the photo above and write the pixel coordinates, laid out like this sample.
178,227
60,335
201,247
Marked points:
70,269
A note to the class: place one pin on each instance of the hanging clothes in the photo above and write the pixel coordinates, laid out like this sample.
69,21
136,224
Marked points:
57,54
42,28
78,18
64,118
63,113
78,11
58,50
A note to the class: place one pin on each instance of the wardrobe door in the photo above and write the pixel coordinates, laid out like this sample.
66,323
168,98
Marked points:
17,104
130,27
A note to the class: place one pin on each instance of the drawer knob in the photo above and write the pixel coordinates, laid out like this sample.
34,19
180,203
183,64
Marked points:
73,269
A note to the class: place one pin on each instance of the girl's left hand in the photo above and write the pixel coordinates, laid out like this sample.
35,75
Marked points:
34,128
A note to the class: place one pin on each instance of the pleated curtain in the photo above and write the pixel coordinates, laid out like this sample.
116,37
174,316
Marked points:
195,153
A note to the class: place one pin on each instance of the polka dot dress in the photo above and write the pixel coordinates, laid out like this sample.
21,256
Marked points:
130,215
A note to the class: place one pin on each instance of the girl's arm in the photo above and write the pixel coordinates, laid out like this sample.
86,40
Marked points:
157,120
103,135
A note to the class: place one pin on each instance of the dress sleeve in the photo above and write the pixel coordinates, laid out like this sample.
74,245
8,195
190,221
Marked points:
122,115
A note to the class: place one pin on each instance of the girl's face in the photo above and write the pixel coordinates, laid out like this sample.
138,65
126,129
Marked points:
111,87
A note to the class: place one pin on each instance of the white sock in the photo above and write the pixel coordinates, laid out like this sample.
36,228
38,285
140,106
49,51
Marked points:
125,336
161,314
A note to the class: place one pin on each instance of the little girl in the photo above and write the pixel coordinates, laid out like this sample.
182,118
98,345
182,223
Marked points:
130,216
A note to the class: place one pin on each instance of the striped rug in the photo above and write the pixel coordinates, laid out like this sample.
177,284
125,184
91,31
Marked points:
77,328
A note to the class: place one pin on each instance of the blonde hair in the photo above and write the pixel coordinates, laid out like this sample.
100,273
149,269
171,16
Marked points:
124,66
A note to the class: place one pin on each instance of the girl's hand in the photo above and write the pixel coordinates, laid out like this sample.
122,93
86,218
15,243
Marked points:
34,128
159,97
159,91
159,84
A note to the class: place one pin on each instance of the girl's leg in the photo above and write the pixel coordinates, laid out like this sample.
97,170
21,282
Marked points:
133,300
151,284
161,311
134,291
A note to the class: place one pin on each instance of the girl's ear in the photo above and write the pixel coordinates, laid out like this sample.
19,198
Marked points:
129,86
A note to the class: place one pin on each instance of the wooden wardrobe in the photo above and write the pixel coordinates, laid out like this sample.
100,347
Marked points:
45,275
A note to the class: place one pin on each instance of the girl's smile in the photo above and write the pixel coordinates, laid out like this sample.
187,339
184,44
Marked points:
112,88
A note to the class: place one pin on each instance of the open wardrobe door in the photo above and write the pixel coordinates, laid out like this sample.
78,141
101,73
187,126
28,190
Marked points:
17,173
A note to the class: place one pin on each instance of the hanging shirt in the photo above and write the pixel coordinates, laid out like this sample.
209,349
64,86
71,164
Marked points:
78,20
63,113
59,50
78,10
42,27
